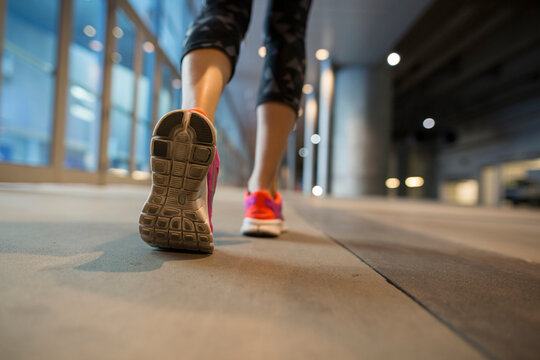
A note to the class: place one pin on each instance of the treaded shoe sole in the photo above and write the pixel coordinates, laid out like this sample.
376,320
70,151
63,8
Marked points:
174,215
262,228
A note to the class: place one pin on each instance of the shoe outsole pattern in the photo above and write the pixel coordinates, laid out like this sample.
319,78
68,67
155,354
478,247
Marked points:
182,150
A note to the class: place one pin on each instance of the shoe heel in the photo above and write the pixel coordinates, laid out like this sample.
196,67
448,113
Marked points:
182,150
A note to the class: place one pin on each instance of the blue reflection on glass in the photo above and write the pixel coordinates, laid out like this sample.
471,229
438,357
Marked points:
28,82
122,93
85,84
144,110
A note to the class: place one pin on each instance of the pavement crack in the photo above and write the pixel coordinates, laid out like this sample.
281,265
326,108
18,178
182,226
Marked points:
443,321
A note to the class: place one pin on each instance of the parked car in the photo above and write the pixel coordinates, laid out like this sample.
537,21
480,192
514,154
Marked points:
524,191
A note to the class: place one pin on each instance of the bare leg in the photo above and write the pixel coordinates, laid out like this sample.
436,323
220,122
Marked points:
274,123
205,72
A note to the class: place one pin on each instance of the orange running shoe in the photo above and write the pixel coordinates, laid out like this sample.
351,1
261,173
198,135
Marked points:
263,216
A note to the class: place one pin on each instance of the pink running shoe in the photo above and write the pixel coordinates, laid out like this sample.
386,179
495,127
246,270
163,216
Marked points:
263,215
185,166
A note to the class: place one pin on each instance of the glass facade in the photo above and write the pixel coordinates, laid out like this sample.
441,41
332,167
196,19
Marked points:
29,61
127,74
122,93
169,20
86,54
145,93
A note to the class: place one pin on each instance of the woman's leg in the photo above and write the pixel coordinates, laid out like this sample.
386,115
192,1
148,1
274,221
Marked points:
281,88
184,159
205,72
274,123
211,52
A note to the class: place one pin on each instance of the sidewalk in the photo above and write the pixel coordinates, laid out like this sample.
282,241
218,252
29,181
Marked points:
369,279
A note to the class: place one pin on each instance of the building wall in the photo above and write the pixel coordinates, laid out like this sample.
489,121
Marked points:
70,112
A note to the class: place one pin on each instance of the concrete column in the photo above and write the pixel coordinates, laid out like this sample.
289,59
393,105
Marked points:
326,94
361,130
291,161
310,124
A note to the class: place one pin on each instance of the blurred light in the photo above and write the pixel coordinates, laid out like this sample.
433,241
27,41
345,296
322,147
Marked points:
119,172
95,45
303,152
311,109
82,94
82,113
307,89
140,175
315,139
300,112
89,31
317,190
116,57
428,123
414,181
262,51
322,54
392,183
467,192
393,59
177,83
148,47
117,32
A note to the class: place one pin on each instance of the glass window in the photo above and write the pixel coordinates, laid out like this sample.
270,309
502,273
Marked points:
122,93
145,92
166,98
171,28
168,20
147,11
85,84
28,82
177,93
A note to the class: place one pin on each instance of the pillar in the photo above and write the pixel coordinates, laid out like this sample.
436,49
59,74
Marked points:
361,130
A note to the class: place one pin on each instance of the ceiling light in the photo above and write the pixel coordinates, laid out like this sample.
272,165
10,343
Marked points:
82,113
317,190
116,57
428,123
117,32
393,59
95,45
303,152
262,51
322,54
307,89
82,94
148,47
315,139
89,31
414,181
392,183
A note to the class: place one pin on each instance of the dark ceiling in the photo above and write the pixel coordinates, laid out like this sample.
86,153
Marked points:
463,60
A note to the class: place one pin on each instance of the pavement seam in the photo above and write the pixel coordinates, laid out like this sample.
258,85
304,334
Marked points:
449,325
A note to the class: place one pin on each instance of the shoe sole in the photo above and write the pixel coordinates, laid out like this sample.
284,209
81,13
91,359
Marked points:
262,228
174,216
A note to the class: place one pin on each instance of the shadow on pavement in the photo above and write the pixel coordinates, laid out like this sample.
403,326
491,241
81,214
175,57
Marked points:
122,248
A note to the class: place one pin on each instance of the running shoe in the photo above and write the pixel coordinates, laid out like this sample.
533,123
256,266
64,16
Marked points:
263,215
185,165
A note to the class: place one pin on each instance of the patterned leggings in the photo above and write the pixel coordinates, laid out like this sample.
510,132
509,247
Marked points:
222,25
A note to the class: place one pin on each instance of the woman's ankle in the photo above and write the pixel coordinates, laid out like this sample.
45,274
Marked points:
254,186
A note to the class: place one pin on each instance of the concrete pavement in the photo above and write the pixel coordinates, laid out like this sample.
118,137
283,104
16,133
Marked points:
77,282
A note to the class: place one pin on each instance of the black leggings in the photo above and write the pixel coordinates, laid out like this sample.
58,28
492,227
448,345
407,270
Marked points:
222,25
